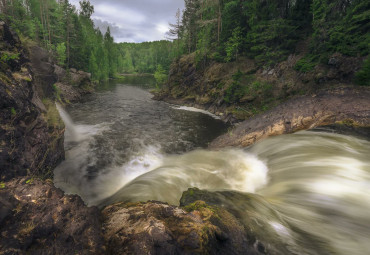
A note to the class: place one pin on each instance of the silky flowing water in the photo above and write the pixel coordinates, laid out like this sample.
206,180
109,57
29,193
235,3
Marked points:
304,193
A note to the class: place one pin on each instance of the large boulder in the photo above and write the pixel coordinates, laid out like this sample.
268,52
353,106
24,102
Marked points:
159,228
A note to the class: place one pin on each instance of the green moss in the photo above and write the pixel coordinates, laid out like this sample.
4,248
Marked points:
30,181
52,116
191,192
57,93
347,122
198,206
13,111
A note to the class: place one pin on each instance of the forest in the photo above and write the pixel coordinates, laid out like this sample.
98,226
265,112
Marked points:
147,57
269,30
70,36
216,30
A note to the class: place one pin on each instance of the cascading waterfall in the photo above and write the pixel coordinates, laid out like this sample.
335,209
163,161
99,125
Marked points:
71,132
304,193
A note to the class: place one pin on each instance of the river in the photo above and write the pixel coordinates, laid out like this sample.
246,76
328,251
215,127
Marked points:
307,193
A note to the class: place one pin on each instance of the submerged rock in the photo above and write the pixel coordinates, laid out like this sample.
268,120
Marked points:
37,218
158,228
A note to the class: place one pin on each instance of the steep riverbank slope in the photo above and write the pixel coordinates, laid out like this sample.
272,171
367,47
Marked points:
31,132
241,89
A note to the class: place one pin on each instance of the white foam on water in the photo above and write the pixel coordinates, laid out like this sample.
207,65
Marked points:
193,109
231,169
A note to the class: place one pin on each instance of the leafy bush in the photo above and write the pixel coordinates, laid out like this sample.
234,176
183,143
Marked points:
160,76
307,63
6,56
235,91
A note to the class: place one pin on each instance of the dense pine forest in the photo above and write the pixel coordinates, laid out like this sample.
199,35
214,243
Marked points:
269,30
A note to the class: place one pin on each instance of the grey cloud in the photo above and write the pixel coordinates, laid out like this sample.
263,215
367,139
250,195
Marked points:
135,20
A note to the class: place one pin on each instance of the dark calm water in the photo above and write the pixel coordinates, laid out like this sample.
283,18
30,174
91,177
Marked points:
304,193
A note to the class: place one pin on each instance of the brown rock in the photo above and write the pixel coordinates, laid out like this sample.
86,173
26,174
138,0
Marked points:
159,228
40,219
343,105
29,144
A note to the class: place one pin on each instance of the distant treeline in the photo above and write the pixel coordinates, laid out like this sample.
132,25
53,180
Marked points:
146,57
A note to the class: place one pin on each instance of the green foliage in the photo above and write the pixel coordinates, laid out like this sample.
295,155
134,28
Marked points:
233,45
236,91
306,63
6,56
2,185
363,76
268,31
246,85
341,26
145,57
57,92
68,33
61,53
160,76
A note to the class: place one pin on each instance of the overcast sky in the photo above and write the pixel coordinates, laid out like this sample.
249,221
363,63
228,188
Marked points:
135,20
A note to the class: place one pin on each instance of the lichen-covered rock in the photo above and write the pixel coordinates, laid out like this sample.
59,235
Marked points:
159,228
266,231
37,218
31,135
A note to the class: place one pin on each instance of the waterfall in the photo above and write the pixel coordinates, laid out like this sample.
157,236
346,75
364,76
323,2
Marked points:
71,131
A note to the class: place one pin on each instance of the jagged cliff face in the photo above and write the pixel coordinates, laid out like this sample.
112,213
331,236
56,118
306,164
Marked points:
31,132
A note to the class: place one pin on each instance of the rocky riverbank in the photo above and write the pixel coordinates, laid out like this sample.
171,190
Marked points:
341,106
239,90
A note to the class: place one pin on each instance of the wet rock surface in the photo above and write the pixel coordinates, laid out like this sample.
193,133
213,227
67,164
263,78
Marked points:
345,106
37,218
159,228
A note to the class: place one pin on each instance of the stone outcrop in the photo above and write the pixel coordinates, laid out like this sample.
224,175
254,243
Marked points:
159,228
342,106
54,81
37,218
31,132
